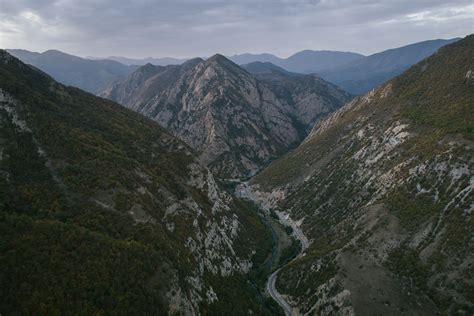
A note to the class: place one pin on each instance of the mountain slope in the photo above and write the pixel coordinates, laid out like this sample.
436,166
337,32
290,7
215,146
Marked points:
306,61
103,211
311,97
383,188
89,75
234,121
309,61
248,58
361,75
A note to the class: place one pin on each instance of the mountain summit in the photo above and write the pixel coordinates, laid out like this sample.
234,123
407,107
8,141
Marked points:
234,121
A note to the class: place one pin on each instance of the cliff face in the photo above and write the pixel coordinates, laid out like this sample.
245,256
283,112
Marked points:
100,201
383,188
235,122
310,97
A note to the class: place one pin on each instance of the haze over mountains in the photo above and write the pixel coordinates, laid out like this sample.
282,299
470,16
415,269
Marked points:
306,61
164,61
364,74
89,75
353,72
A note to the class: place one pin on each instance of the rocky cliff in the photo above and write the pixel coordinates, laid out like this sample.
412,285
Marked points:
236,122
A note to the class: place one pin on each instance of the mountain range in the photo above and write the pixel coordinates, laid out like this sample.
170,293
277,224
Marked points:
236,120
383,191
364,74
353,72
163,61
306,61
213,188
86,74
103,210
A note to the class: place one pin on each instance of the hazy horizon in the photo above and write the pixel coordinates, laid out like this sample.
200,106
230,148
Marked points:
185,28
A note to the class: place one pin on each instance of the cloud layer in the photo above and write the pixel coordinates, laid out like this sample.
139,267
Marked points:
184,28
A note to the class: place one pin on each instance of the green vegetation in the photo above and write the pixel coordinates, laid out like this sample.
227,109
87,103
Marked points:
412,212
402,156
49,267
440,96
83,197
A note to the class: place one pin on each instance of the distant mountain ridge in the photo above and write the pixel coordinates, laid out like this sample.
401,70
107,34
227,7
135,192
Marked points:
362,75
235,121
247,58
353,72
159,61
306,61
259,67
89,75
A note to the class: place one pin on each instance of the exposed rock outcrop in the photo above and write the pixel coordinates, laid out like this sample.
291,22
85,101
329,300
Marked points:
236,122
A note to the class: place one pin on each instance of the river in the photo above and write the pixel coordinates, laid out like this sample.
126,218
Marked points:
243,190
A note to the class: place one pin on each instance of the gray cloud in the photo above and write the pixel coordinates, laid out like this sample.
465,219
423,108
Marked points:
182,28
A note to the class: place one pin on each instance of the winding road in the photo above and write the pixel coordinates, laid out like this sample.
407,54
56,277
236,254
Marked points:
244,191
271,289
275,295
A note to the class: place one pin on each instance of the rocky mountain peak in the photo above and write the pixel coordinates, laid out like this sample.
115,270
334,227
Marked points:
218,58
191,63
223,62
234,121
148,70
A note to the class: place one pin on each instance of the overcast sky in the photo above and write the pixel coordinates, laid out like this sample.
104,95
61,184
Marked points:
187,28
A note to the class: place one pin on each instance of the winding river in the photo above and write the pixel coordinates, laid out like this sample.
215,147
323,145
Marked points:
244,191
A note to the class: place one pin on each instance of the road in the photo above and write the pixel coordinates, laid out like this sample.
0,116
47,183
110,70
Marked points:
271,289
275,295
244,191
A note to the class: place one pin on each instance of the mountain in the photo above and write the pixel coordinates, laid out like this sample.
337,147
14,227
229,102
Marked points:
353,72
361,75
261,68
309,61
161,61
103,211
89,75
311,97
383,190
306,61
235,122
248,58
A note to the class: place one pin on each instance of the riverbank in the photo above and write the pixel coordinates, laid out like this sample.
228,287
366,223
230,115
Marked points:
289,240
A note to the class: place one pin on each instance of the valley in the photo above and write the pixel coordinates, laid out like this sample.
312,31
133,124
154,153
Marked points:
287,229
326,183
